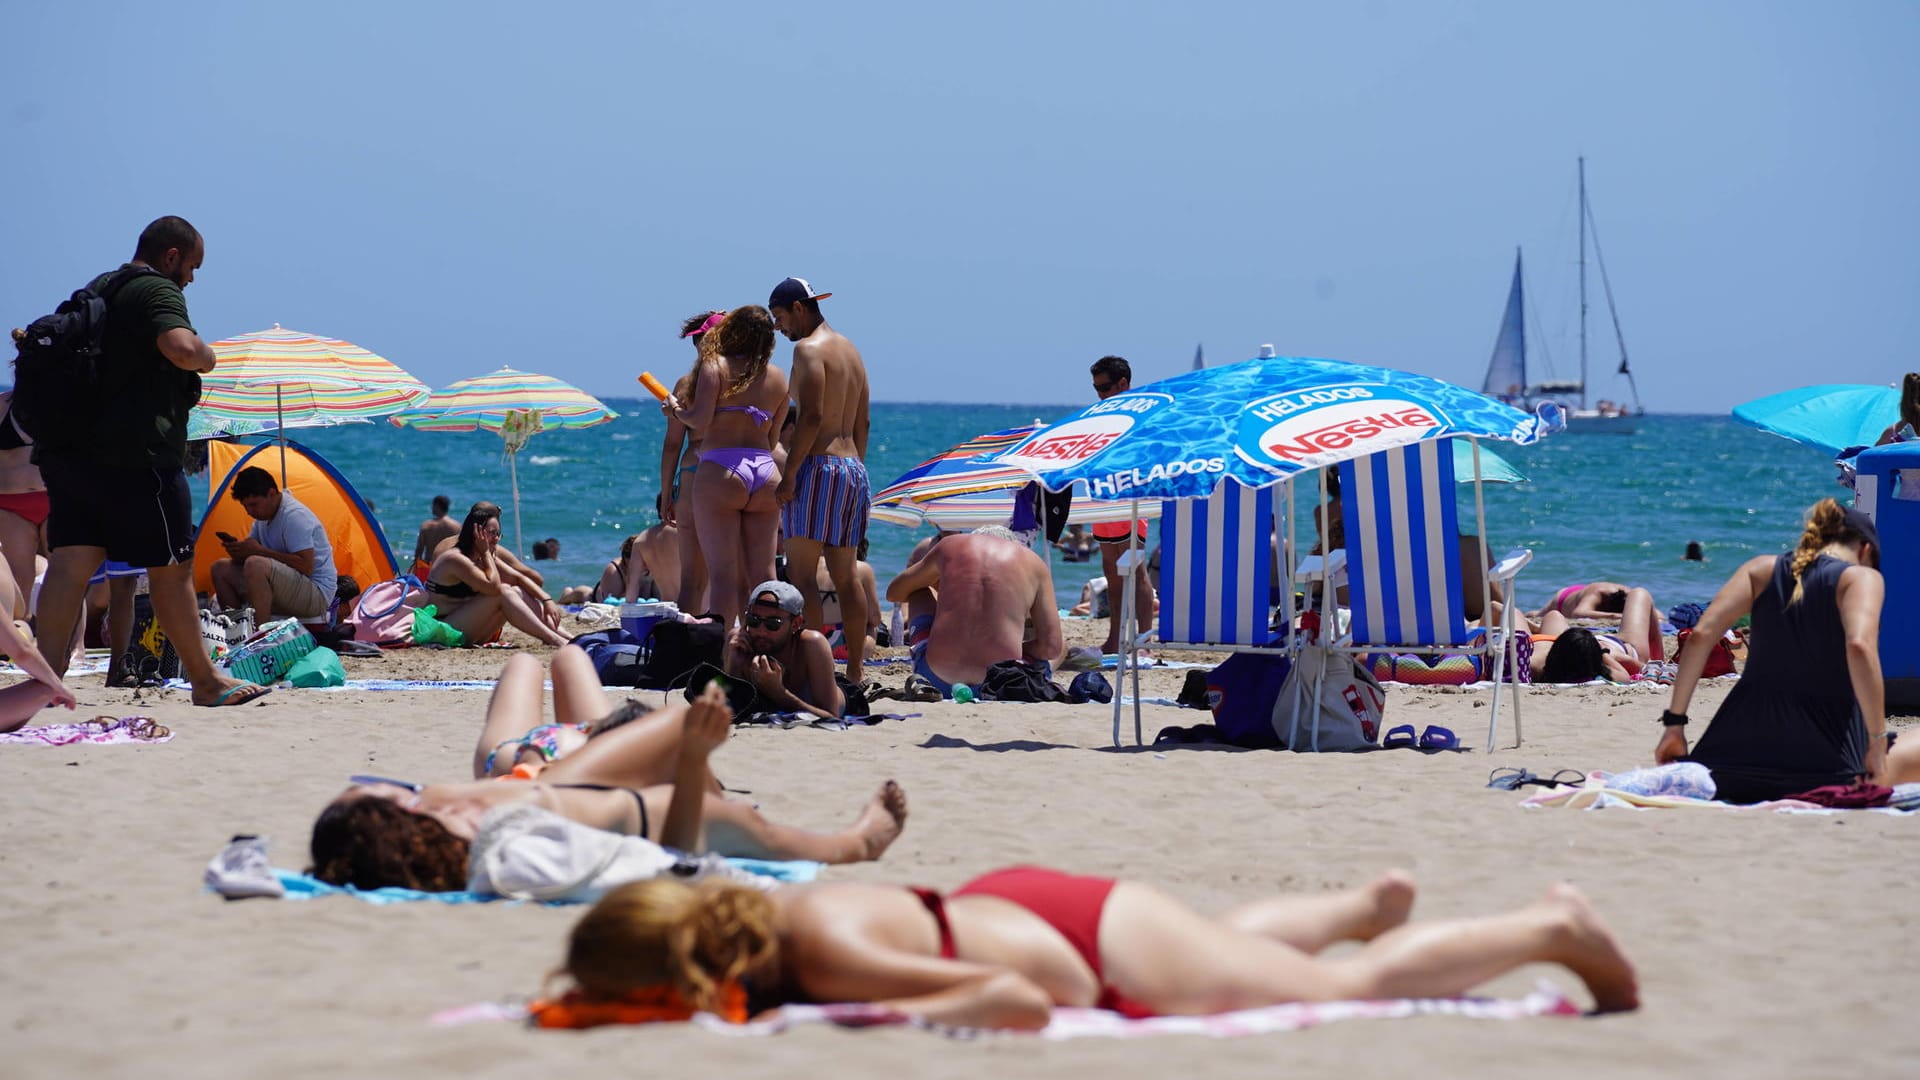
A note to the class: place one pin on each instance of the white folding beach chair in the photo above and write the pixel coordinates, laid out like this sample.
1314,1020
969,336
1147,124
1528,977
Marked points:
1403,566
1216,581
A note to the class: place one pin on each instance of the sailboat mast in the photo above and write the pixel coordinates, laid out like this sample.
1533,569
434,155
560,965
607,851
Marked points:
1583,283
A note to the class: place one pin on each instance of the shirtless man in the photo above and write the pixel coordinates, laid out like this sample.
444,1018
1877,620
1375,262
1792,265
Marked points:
790,666
657,549
823,490
989,589
432,531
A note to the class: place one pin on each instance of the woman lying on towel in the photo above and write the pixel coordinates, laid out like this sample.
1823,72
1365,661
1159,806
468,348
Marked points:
1809,709
477,593
1004,949
1570,654
646,777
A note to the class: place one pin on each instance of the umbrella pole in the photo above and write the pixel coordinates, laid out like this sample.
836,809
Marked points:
513,471
280,429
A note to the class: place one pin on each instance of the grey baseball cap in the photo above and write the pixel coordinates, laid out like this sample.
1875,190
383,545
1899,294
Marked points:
780,594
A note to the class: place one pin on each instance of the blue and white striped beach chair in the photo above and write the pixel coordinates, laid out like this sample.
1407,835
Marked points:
1403,566
1216,578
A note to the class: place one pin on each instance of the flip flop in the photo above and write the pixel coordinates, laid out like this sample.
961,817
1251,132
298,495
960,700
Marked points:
247,691
1511,778
1399,738
1437,738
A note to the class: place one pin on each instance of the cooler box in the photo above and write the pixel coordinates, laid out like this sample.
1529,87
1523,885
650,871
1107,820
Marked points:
1888,486
637,619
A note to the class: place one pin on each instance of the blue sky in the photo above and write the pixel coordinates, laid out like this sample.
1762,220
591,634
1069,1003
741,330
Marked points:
997,193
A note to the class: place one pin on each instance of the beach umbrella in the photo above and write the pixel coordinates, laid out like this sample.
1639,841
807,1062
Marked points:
272,380
1258,422
516,405
1831,417
954,490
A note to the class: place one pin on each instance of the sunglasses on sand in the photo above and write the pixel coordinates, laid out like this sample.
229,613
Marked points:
769,622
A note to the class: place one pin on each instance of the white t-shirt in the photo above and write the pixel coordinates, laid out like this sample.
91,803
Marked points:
295,528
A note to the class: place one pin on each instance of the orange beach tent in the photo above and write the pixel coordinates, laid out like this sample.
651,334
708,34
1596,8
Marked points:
359,547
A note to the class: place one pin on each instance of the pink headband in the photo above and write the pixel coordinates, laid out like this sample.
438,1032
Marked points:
713,320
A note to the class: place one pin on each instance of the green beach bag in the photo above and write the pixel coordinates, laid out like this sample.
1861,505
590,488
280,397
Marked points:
321,667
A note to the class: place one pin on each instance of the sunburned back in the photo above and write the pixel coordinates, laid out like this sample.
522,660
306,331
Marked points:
843,389
987,590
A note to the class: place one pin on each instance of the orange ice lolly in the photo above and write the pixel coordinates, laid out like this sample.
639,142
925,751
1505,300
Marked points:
653,385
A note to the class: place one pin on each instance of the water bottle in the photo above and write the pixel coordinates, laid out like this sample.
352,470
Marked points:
962,693
898,629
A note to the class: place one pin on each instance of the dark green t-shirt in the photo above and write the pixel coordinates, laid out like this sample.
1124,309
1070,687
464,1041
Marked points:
142,420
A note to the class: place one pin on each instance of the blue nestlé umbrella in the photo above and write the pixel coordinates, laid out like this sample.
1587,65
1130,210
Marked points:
1257,422
1832,417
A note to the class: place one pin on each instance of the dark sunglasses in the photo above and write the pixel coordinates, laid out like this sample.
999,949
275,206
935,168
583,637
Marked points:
1101,387
769,622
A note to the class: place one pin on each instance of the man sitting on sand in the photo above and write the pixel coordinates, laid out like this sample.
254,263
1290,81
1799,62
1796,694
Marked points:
970,600
790,666
284,566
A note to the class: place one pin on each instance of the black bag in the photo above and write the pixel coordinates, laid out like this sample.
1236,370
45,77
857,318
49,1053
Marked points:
675,649
56,365
742,699
857,703
1018,680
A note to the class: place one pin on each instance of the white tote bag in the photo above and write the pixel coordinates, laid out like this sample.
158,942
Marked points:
1348,708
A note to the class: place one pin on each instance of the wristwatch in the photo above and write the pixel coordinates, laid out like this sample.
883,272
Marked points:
1669,718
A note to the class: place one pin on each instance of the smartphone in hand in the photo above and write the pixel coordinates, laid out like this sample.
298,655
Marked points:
226,537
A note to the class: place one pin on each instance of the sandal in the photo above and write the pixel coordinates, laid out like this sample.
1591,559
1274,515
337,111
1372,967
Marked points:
246,692
919,689
1436,737
1400,738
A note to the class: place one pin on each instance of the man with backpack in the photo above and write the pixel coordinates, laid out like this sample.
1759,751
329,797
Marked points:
106,403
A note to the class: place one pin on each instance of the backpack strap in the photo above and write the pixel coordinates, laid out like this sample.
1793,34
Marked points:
122,276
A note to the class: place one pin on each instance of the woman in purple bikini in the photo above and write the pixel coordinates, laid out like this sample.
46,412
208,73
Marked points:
739,402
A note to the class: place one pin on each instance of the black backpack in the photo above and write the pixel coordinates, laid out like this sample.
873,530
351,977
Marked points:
675,649
56,365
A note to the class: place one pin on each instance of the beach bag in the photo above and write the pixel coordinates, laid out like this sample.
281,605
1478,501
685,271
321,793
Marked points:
382,614
150,656
319,668
1349,707
56,366
675,649
616,663
1241,693
429,630
266,656
1719,659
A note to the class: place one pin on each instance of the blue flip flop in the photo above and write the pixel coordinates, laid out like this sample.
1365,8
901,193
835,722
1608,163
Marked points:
1438,738
1400,738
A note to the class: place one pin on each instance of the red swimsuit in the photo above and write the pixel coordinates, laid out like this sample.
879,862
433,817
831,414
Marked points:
1071,904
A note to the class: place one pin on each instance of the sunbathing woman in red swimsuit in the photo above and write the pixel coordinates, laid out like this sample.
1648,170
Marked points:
1004,949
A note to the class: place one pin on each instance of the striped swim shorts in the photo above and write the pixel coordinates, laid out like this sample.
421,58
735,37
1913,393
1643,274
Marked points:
830,500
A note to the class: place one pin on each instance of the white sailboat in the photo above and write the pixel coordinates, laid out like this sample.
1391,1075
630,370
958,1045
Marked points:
1507,370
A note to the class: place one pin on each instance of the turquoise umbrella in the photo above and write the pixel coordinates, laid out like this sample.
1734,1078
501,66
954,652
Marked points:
1830,417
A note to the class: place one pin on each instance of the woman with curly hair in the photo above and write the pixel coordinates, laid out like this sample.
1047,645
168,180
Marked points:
738,405
1809,709
1004,949
640,775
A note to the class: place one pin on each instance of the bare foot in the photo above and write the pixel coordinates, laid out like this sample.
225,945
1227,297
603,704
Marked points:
1590,951
880,823
1390,901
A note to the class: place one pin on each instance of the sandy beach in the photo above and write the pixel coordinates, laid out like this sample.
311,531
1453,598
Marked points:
1768,944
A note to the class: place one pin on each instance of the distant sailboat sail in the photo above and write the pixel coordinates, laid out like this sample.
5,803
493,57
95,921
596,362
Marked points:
1507,371
1199,358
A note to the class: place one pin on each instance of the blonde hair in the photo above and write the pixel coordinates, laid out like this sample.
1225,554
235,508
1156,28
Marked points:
744,338
699,939
1826,524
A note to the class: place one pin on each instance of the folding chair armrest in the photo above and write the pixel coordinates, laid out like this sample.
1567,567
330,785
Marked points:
1314,567
1510,566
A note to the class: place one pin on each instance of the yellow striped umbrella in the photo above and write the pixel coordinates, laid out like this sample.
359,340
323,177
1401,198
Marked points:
513,404
276,379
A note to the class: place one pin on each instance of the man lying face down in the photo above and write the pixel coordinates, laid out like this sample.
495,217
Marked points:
974,600
789,665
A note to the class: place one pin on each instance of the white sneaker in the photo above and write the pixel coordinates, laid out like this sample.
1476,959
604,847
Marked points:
241,870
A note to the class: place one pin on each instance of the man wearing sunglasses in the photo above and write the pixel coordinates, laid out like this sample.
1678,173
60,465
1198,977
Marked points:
790,666
1113,375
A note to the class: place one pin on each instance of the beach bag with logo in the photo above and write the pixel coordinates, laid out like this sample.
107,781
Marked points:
1349,706
266,656
56,366
150,656
382,614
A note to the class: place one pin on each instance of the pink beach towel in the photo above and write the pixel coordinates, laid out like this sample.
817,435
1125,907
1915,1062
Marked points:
101,729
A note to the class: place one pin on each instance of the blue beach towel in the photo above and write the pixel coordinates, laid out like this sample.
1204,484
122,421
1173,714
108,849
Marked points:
308,887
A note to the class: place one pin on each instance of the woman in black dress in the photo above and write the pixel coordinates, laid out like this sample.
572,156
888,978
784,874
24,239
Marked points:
1810,707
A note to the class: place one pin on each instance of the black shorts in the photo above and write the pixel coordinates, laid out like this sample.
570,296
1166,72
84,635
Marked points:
142,516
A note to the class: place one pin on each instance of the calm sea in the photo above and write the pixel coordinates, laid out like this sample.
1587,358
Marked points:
1594,507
